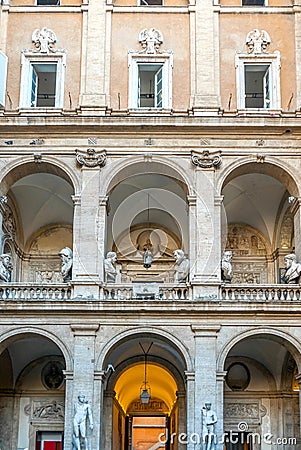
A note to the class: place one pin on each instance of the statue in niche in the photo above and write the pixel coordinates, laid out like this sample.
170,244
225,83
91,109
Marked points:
82,412
181,266
6,267
293,269
226,266
209,419
110,269
67,262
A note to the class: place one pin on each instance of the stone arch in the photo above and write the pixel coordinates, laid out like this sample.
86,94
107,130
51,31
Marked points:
272,167
136,165
290,342
134,332
22,167
16,333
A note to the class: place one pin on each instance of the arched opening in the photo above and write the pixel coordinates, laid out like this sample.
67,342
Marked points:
260,223
148,215
37,220
151,362
261,396
32,393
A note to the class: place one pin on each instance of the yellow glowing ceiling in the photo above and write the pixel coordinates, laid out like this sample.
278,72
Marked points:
163,385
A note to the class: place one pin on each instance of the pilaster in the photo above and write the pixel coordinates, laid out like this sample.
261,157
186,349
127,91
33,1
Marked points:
93,98
205,386
85,274
204,48
68,425
190,405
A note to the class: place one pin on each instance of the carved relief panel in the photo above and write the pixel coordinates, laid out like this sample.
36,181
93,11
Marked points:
250,250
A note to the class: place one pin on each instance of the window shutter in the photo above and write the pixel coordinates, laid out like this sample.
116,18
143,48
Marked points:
3,75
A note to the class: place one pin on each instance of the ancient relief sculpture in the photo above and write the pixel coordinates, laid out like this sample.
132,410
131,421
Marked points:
181,266
109,266
82,412
293,269
226,266
209,420
67,261
6,267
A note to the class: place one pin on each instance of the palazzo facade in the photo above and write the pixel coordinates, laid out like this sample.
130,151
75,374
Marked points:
145,128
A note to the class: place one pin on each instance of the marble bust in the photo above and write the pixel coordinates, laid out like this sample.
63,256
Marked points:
67,262
6,267
109,267
293,269
226,266
181,266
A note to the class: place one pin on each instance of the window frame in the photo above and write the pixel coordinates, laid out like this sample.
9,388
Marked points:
165,59
29,59
270,59
3,78
265,3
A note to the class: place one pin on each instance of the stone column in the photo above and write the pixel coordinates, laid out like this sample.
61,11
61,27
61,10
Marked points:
101,235
192,200
296,211
205,386
69,410
95,61
182,416
85,274
98,408
219,429
205,60
108,420
190,406
298,378
83,379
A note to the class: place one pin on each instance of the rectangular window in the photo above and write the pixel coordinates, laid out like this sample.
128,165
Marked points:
43,85
151,2
257,86
253,2
48,2
42,80
150,85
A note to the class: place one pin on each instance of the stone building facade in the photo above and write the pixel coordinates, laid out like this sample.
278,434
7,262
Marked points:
149,127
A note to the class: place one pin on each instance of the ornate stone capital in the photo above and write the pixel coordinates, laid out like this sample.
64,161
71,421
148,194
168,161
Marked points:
90,158
205,159
257,41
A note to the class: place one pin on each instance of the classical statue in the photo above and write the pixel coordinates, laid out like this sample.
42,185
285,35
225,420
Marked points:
226,266
67,261
181,266
110,269
293,269
82,412
209,420
6,267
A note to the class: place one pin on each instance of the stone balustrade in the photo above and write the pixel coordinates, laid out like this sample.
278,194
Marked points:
35,292
154,292
261,293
